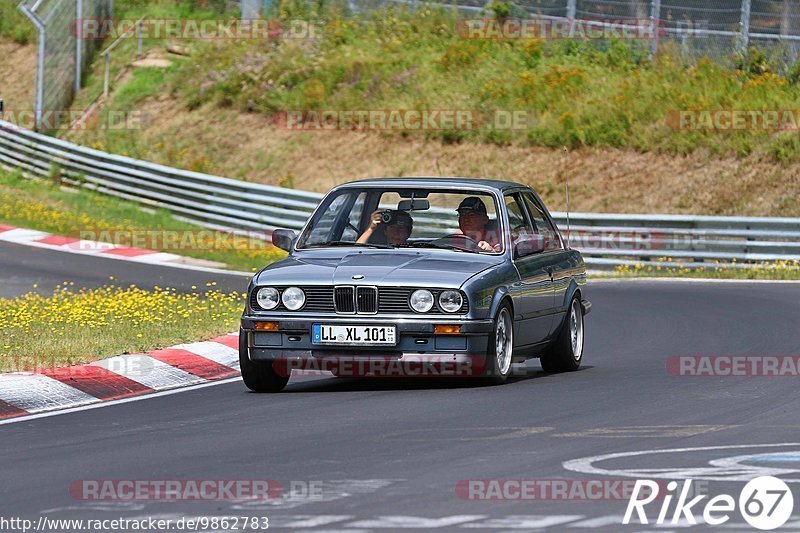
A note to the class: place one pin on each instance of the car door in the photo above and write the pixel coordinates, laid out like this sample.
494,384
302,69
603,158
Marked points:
533,293
557,257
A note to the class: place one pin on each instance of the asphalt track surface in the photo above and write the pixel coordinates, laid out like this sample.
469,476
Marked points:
382,455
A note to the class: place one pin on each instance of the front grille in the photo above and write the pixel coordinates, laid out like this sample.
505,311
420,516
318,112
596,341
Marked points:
394,300
343,300
319,299
367,300
385,300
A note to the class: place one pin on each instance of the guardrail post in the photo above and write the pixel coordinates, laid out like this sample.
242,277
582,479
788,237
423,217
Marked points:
41,41
744,26
139,39
78,44
107,74
655,20
571,9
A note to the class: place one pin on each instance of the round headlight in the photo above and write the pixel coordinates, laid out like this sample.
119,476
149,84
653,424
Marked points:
293,298
421,300
450,301
267,298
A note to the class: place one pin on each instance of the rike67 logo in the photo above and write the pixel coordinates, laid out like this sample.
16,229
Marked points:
765,503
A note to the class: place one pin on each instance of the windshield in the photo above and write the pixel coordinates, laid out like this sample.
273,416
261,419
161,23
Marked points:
394,218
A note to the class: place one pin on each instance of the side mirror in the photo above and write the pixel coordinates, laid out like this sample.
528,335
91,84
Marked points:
528,243
283,239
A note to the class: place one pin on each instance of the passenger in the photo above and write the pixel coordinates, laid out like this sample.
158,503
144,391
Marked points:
473,221
397,230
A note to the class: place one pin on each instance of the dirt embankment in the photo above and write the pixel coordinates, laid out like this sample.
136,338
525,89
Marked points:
248,146
17,75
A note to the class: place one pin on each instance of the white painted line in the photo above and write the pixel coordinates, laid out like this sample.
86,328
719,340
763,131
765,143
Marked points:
22,236
36,392
418,522
600,521
155,258
688,280
525,521
148,371
224,355
717,470
87,247
112,403
299,521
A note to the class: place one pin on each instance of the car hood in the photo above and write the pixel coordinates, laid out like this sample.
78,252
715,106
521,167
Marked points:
418,268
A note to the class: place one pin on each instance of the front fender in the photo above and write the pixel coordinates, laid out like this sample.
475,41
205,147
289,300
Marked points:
497,298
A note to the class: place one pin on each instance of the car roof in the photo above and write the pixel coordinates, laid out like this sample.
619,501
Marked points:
425,181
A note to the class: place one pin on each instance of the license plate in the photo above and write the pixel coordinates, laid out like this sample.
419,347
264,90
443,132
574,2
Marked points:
353,335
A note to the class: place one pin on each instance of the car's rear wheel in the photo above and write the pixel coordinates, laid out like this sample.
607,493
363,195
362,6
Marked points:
567,352
258,376
501,347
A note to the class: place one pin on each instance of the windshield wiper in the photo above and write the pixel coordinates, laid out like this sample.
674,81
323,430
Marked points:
428,244
349,243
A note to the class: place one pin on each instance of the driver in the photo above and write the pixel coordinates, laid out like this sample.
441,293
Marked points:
398,229
472,220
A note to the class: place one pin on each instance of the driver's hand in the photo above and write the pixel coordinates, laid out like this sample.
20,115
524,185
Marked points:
483,245
375,219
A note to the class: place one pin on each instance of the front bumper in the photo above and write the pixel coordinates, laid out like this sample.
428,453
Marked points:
291,346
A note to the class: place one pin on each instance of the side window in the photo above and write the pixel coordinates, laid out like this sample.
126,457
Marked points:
334,219
350,234
541,224
517,222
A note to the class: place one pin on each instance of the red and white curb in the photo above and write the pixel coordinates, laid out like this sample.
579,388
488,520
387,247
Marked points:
40,239
24,393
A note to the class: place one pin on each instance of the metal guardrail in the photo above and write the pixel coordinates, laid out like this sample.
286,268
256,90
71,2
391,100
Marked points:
607,240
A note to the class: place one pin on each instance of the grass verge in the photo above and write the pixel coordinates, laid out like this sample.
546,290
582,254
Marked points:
70,327
766,270
80,213
14,24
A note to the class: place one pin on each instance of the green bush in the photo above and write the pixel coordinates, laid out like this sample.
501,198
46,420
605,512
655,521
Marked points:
14,24
580,92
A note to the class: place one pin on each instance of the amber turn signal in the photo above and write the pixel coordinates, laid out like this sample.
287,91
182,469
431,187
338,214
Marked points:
447,329
266,326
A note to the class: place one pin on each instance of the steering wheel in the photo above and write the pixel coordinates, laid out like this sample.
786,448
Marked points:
471,244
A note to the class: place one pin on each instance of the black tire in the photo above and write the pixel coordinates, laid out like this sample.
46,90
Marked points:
566,353
258,376
497,368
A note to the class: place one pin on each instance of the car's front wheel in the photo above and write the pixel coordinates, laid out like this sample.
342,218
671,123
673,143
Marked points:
566,353
258,376
501,348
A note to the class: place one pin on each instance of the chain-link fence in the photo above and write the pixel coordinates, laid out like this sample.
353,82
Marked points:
63,55
713,28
